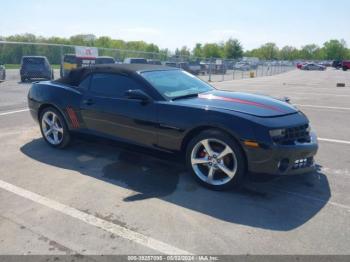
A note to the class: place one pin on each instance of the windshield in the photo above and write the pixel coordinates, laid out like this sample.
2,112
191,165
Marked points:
176,83
33,60
34,63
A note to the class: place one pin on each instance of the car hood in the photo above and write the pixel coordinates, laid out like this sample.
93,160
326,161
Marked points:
257,105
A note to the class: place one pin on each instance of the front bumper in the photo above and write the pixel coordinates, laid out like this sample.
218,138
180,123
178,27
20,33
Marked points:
283,159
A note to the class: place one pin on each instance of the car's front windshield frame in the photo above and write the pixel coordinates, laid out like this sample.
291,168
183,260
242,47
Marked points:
169,98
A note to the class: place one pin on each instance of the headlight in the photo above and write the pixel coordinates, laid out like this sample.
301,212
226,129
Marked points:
277,133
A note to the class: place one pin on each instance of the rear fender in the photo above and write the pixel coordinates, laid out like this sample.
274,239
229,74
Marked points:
65,99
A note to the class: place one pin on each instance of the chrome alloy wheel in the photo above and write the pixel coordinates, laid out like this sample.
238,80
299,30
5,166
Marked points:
213,161
52,128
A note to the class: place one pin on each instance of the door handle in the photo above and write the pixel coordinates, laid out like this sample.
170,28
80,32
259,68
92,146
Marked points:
88,101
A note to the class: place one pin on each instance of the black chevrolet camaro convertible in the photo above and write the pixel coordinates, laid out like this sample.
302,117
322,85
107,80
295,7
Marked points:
223,134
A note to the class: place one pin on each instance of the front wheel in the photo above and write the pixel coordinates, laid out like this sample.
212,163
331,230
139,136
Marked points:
215,160
53,128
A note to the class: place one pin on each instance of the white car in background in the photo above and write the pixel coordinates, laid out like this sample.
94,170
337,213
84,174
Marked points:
313,66
243,66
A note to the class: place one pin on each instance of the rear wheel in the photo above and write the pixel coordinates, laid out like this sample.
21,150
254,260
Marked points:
345,68
53,128
216,160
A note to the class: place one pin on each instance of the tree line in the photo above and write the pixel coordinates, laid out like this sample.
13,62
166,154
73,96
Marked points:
331,50
12,53
231,49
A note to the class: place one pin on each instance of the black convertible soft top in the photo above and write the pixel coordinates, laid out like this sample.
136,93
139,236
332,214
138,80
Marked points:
76,75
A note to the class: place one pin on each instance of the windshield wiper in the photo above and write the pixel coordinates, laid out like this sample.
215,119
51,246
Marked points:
185,96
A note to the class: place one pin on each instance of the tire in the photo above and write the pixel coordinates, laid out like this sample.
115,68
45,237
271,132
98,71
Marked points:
23,79
233,162
58,128
345,68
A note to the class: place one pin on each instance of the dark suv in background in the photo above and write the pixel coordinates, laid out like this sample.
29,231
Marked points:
337,64
35,67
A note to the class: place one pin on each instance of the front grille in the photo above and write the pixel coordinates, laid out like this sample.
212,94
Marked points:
292,135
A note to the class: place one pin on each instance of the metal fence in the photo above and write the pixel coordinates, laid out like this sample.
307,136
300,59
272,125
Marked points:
52,59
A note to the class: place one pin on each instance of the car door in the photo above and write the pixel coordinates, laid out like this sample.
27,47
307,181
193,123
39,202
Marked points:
106,109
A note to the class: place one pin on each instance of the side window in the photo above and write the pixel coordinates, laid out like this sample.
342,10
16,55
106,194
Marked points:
112,85
84,85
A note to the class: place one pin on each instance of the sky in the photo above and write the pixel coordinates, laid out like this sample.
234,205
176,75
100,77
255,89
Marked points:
176,23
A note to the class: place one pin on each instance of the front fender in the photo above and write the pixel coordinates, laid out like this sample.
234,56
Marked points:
179,123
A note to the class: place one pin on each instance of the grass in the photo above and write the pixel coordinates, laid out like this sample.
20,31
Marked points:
17,66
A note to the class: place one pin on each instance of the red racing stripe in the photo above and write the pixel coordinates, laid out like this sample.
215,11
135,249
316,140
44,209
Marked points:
241,101
73,117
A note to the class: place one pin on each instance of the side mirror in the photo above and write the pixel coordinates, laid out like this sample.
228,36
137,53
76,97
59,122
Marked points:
138,94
